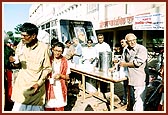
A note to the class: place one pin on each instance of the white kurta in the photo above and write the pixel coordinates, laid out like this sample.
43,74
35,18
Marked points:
102,48
59,100
89,53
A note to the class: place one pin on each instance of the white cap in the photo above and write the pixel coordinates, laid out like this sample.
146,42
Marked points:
43,36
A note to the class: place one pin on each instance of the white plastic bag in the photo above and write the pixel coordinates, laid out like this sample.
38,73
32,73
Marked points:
123,72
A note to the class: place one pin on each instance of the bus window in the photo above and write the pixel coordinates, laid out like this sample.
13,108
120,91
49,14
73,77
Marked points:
48,31
43,27
82,30
54,33
48,25
65,29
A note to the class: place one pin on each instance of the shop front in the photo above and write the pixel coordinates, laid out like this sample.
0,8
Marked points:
143,26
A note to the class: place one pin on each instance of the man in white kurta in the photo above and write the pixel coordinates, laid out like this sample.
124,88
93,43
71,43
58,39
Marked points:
101,46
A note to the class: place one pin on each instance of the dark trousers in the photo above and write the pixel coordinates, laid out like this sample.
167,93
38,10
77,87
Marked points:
131,98
125,90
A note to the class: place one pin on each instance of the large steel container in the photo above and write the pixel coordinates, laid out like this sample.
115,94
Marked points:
105,61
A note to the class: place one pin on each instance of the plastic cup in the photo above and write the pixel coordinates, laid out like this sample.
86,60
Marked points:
51,80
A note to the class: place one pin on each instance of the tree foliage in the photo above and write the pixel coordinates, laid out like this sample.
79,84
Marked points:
11,37
17,31
11,34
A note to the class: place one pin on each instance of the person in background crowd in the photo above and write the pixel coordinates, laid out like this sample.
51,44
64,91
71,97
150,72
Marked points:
15,43
89,56
135,58
117,53
64,38
161,90
33,58
44,36
117,49
77,54
89,52
54,41
56,88
125,82
8,51
69,50
101,46
14,70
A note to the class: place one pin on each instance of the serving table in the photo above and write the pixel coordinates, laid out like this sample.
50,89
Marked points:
94,73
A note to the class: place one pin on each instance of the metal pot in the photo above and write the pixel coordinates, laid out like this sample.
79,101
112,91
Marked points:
105,61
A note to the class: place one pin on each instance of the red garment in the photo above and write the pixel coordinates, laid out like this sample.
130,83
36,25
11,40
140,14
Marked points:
160,107
9,80
49,87
55,109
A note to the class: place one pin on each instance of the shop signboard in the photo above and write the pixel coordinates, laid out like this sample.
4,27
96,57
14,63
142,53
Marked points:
148,21
116,22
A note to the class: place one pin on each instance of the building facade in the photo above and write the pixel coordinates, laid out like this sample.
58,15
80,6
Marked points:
112,19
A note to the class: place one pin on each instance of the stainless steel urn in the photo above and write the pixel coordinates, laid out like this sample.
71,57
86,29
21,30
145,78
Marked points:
105,61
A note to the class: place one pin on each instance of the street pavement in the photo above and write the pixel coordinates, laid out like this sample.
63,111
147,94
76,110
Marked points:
92,103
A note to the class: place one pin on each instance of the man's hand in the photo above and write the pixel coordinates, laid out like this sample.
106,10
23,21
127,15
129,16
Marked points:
122,64
11,59
57,76
126,64
115,61
35,87
112,69
72,53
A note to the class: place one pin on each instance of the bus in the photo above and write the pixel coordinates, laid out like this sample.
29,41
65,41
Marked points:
65,29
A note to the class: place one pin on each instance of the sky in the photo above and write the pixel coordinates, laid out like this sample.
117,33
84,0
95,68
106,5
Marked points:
14,14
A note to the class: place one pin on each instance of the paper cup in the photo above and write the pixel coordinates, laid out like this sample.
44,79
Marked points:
51,80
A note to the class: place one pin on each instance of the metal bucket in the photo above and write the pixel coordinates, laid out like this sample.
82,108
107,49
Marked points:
105,61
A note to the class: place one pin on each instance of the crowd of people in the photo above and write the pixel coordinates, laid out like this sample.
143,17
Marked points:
44,70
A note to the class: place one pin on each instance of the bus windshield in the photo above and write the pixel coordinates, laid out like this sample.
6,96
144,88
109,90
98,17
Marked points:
82,30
